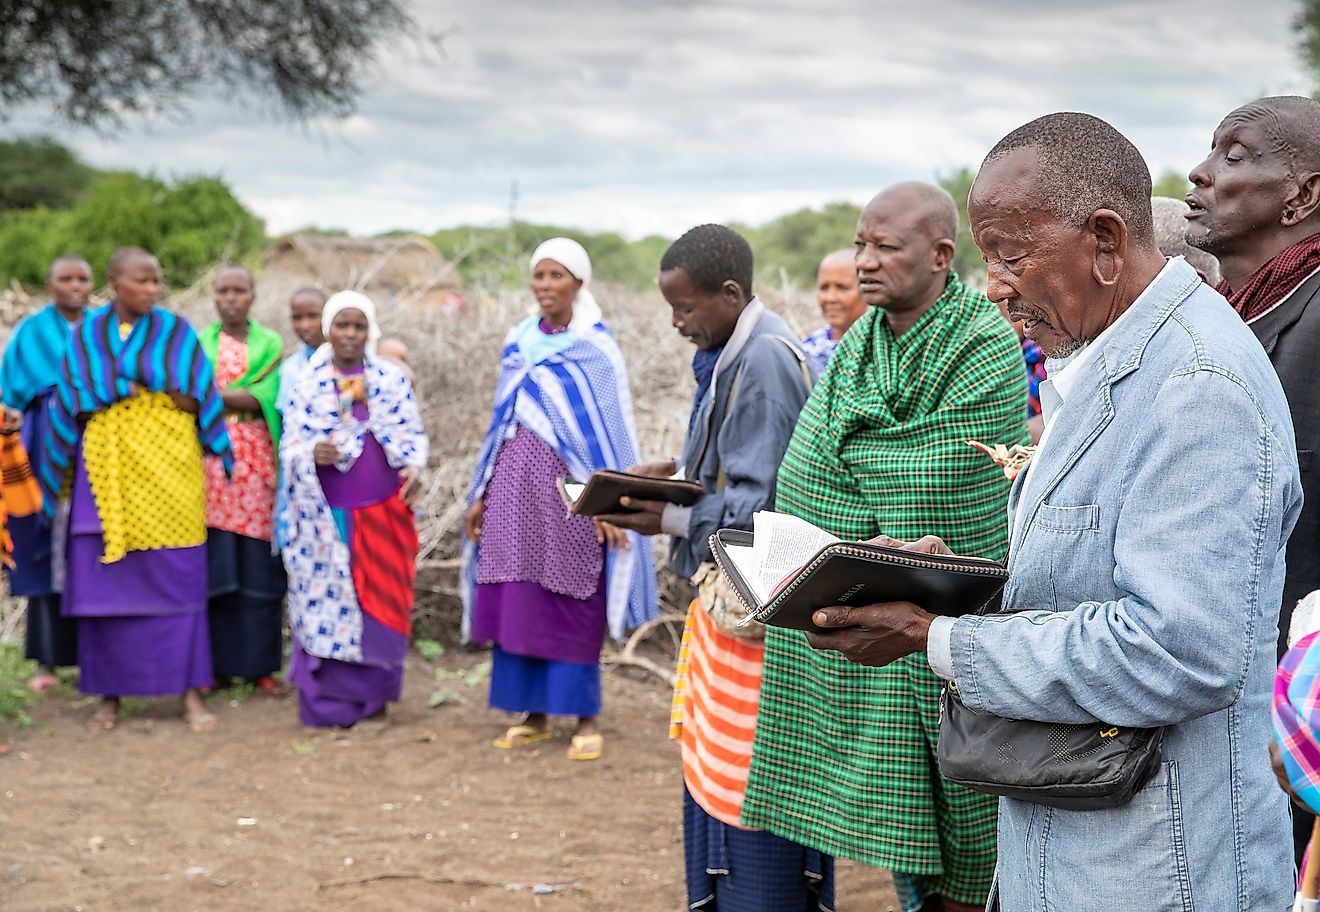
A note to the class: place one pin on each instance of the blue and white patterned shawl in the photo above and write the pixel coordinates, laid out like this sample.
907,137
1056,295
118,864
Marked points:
323,608
571,390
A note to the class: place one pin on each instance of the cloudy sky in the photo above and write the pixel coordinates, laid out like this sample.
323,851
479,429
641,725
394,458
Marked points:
648,117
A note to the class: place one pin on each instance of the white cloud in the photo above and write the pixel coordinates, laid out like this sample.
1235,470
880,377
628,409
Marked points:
651,117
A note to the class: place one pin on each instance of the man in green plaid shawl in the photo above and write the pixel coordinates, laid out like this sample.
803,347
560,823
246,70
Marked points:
844,758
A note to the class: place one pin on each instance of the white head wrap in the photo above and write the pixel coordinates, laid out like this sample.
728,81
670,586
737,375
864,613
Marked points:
352,300
573,257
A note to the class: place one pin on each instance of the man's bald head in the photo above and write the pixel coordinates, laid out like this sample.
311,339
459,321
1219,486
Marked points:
931,208
904,250
123,257
1258,191
1083,165
1291,124
837,258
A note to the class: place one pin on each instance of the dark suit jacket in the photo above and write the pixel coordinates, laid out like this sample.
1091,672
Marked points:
1291,336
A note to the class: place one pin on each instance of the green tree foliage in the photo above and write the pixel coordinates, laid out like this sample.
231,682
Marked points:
1172,184
40,172
1307,24
97,63
967,260
491,257
791,247
189,224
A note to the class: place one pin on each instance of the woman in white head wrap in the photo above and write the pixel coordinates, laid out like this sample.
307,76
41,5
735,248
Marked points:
353,450
540,584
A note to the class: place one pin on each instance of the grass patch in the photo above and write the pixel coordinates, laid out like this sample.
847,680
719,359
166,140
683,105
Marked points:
15,696
451,685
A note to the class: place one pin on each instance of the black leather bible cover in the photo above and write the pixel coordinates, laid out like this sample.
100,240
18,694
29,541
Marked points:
857,573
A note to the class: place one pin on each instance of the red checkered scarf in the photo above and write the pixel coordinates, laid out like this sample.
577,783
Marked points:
1271,283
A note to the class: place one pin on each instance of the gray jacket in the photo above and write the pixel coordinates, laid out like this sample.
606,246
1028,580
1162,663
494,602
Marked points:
735,451
1146,572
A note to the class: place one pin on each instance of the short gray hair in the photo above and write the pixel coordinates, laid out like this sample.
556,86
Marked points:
1170,232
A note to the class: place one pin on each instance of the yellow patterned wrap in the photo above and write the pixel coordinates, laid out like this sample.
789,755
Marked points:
145,465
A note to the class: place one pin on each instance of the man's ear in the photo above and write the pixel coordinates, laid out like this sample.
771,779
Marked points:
942,255
1302,204
733,293
1110,234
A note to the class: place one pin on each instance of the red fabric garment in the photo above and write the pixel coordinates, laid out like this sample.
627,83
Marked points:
244,502
384,548
1272,282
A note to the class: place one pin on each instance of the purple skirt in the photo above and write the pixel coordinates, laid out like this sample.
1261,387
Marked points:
141,620
335,694
526,619
143,656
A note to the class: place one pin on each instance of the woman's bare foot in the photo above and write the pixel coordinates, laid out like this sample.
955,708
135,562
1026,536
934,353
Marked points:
106,716
195,713
43,680
587,725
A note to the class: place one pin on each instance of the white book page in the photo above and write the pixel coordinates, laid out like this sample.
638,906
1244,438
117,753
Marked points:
743,559
574,490
782,544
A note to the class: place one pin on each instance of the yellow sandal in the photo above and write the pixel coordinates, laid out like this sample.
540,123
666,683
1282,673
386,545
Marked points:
586,747
521,736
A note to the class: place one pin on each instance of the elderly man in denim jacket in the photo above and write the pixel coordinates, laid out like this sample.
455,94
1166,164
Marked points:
1146,559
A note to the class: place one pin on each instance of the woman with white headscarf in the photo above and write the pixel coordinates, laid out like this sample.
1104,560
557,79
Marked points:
353,450
541,584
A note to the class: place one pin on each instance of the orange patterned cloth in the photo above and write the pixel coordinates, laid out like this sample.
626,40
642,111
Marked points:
245,503
714,713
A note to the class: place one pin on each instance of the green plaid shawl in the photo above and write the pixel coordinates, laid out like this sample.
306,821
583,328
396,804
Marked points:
844,754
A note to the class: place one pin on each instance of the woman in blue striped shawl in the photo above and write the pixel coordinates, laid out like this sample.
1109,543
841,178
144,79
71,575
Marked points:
539,583
28,374
134,408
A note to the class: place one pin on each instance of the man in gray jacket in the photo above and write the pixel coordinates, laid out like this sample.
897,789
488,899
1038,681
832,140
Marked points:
752,380
1146,559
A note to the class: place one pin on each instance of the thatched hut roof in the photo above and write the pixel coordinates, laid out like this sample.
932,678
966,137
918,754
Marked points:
393,270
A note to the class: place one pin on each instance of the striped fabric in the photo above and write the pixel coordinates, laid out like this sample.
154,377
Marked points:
160,354
1297,718
22,495
715,712
383,545
571,390
844,754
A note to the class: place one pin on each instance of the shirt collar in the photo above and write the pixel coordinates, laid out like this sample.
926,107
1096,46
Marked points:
742,331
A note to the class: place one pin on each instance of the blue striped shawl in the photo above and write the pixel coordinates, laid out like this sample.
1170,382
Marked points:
162,354
33,357
575,399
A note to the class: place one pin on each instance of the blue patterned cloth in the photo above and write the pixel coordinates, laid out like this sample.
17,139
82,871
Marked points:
324,613
819,346
571,391
735,870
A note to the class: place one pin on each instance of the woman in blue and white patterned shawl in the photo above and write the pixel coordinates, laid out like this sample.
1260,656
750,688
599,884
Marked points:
541,584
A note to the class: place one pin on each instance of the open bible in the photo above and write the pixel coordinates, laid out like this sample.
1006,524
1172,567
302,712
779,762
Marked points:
601,492
786,568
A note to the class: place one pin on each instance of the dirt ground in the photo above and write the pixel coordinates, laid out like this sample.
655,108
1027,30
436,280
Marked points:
423,815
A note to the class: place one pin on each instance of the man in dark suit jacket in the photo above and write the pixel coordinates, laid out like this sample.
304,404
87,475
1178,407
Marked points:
1256,206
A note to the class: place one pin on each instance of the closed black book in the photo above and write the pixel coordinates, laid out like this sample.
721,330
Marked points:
859,573
601,493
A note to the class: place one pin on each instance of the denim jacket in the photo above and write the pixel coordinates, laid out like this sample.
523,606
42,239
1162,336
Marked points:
1146,574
